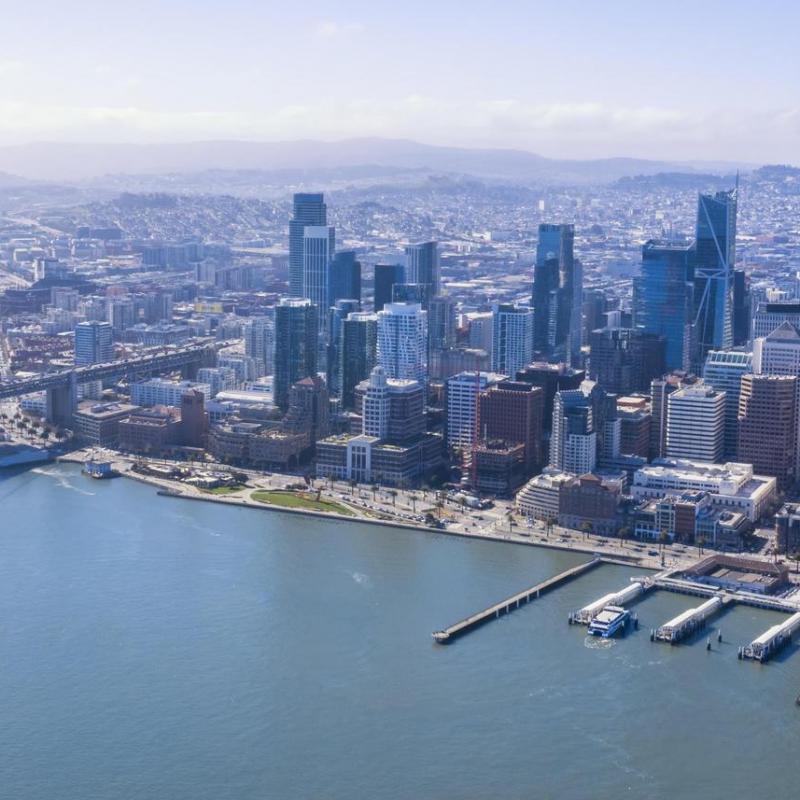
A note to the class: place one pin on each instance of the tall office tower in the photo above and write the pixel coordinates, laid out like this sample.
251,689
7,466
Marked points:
557,298
386,276
392,410
625,360
422,266
768,425
551,378
462,392
296,345
596,306
359,353
511,411
512,338
660,389
769,315
64,298
696,423
194,419
479,333
663,298
441,323
742,308
724,370
412,293
573,443
93,343
309,210
319,242
375,405
345,278
336,317
259,342
779,354
403,341
121,314
715,255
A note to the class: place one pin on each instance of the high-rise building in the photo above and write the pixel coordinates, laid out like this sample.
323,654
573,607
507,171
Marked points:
259,342
769,315
663,299
337,315
296,345
392,410
359,353
557,295
318,246
742,308
194,419
511,411
345,278
93,343
573,443
551,378
462,392
660,389
724,370
422,266
309,209
512,338
441,323
121,314
625,360
696,423
386,276
768,425
715,256
403,341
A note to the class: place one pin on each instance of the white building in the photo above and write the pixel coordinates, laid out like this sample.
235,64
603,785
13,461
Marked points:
512,338
732,486
94,343
696,423
376,405
539,497
259,343
162,392
462,399
402,341
769,316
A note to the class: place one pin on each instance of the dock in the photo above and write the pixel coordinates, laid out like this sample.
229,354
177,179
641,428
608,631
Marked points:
688,621
621,598
506,606
772,640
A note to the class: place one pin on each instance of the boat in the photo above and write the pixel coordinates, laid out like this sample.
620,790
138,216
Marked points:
99,470
609,621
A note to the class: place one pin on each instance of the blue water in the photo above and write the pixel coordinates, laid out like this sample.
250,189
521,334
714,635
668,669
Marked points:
160,648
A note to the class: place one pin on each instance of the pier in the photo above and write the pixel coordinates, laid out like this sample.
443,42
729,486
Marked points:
772,640
621,598
506,606
688,621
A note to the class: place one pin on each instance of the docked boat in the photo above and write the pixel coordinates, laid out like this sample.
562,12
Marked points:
610,620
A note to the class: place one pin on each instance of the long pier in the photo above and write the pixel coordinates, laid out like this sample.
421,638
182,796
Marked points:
508,605
688,622
772,640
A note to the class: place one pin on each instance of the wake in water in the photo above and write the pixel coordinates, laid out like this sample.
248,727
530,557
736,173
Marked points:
61,480
598,643
360,578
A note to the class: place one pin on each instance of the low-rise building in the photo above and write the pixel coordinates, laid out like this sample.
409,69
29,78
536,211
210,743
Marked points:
98,423
588,500
540,497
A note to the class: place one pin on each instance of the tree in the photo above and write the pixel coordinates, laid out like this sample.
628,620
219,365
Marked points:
701,540
413,498
374,491
586,527
624,533
393,495
663,538
551,521
353,484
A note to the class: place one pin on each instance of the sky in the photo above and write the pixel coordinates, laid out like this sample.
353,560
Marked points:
677,80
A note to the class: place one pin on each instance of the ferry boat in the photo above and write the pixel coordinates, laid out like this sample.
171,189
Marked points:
609,621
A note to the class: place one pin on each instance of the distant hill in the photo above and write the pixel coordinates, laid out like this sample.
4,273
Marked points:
82,161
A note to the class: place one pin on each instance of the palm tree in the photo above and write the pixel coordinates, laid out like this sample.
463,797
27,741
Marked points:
393,495
663,538
374,491
701,540
624,533
413,498
439,503
586,527
551,521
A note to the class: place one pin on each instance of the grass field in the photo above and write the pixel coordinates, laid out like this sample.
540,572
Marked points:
224,490
302,500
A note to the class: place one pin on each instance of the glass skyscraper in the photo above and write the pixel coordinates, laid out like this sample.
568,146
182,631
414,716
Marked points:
309,209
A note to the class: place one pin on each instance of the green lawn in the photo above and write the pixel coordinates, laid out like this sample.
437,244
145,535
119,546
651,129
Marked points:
301,500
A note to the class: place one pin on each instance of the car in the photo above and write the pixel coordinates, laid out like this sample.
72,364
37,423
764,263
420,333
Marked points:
652,552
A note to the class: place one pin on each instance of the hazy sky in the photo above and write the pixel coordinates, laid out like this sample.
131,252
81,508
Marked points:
675,79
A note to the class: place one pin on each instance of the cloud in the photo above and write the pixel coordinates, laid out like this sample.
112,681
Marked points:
328,29
10,66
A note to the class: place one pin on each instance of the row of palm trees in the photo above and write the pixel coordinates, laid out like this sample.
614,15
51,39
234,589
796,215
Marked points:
27,426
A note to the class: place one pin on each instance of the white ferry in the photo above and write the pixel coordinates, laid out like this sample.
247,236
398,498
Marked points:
609,621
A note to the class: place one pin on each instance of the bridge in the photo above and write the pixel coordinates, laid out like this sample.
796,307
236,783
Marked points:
61,386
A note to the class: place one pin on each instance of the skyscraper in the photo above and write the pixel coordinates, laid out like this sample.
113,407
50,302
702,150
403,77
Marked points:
724,370
715,255
386,276
573,443
625,360
768,425
359,353
663,299
696,423
345,278
259,342
512,338
403,341
557,298
337,315
309,209
441,323
296,345
422,266
462,393
318,249
93,343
